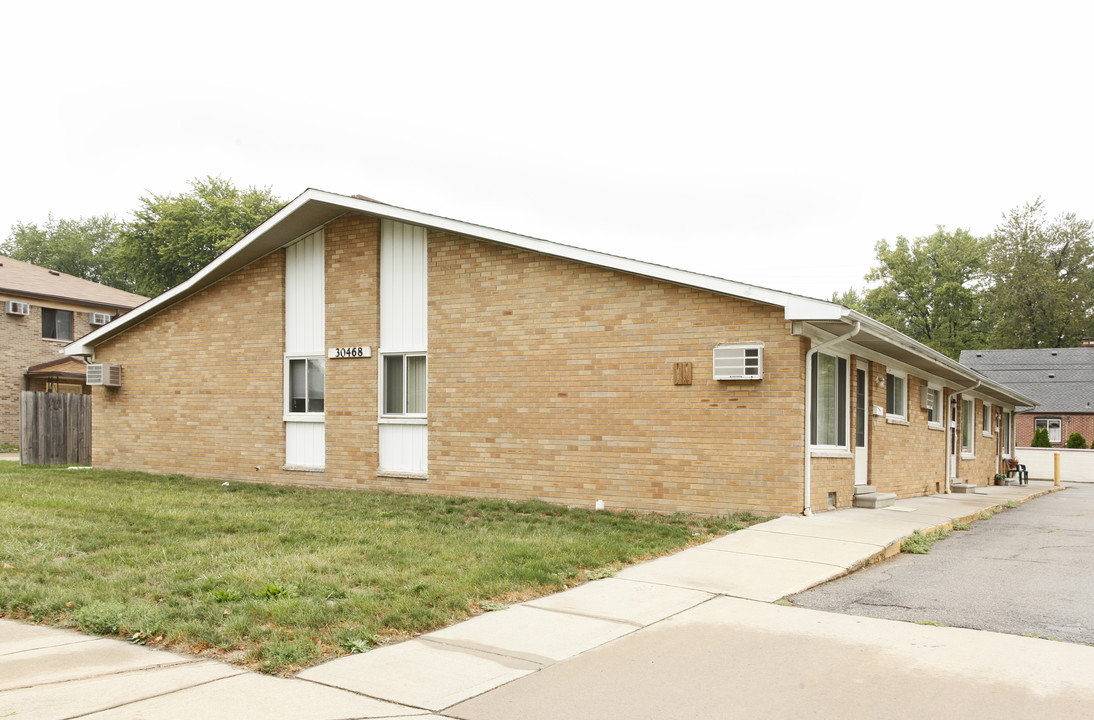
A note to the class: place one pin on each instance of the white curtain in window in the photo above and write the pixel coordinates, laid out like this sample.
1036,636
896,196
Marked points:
415,384
826,400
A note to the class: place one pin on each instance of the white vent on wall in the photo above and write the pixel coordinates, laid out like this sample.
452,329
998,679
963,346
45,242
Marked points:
739,361
17,308
98,318
106,375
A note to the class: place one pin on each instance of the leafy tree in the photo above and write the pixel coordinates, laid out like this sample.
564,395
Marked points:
930,289
1041,277
81,247
1040,438
851,298
1076,441
171,237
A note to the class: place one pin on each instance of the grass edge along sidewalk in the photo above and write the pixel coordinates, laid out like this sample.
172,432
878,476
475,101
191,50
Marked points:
278,579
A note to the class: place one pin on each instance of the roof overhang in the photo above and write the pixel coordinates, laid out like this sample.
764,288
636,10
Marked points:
884,340
314,208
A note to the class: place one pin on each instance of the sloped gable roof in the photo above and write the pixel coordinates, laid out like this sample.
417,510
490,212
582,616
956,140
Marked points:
1058,379
314,208
23,279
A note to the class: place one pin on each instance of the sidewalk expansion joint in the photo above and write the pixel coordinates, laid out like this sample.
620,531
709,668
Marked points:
78,641
494,650
115,673
155,695
779,557
606,618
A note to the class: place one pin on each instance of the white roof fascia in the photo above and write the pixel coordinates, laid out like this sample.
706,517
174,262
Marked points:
86,344
796,307
900,339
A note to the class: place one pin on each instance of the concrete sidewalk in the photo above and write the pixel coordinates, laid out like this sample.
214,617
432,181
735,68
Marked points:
48,673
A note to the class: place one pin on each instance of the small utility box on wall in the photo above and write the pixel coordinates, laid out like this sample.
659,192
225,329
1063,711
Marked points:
739,361
681,373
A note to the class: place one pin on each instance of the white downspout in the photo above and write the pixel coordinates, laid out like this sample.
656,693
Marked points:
808,511
949,418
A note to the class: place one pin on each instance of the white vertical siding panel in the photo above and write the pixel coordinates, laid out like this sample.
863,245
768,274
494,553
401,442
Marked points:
403,294
305,444
304,299
404,448
305,318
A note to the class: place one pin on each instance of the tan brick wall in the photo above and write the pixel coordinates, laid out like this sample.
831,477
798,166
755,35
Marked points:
22,345
554,379
201,384
981,469
547,378
906,458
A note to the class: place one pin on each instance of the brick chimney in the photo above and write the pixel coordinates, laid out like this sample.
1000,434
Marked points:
1087,342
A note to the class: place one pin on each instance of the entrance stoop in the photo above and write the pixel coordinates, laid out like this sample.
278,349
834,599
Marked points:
960,487
867,496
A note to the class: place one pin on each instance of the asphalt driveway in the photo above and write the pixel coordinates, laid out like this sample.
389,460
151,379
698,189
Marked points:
1026,571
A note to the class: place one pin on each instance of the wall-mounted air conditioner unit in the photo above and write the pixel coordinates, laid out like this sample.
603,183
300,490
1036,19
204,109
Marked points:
739,361
105,375
98,318
11,307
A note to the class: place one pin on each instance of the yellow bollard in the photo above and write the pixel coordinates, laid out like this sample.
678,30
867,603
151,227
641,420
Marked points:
1056,467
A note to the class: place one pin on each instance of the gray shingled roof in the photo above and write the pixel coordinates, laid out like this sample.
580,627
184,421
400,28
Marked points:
1061,380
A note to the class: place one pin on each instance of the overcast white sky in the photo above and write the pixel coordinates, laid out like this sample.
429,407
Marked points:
768,142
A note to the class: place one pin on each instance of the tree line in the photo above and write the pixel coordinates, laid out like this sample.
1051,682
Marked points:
1029,284
167,239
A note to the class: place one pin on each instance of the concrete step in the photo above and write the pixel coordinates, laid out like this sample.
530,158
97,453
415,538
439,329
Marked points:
874,500
962,488
865,489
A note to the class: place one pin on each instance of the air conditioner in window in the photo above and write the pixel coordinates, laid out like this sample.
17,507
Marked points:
105,375
11,307
98,318
739,361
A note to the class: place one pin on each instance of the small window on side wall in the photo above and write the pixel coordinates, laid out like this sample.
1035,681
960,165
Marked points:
405,384
934,406
56,324
307,381
896,396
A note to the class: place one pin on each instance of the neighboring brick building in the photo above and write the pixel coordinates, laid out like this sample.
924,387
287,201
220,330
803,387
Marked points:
347,343
41,311
1060,380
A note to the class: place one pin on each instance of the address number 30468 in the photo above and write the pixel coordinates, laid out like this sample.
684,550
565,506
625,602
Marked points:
356,351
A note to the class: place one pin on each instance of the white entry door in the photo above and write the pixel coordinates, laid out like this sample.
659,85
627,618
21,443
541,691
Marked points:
862,426
955,442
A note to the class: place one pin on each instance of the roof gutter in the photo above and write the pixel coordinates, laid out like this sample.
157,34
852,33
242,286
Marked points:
808,476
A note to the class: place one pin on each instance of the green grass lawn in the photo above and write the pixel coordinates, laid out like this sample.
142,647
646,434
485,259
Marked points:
281,578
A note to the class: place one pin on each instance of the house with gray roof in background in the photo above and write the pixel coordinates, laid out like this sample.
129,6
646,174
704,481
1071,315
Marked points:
1061,380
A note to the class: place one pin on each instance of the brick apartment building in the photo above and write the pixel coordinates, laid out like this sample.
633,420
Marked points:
348,343
1060,380
42,311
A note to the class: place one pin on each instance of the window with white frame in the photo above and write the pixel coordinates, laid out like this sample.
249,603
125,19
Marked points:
405,384
1004,431
934,406
985,420
967,418
1053,425
829,395
896,395
306,385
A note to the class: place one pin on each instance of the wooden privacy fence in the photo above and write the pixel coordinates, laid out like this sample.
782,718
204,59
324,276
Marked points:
55,429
